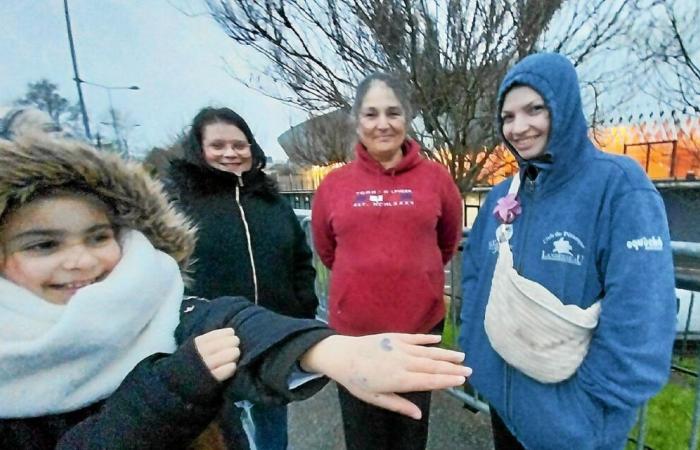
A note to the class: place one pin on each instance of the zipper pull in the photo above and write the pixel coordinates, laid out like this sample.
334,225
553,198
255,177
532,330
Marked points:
531,173
530,185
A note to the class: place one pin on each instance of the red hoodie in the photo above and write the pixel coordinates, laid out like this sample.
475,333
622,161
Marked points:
386,234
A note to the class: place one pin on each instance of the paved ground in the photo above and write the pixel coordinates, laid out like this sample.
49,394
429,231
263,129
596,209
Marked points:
315,424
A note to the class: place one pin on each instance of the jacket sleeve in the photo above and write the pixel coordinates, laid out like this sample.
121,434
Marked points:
630,352
304,275
266,379
167,400
323,235
449,226
271,345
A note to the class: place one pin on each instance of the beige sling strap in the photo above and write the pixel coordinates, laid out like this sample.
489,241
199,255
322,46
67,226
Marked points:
529,326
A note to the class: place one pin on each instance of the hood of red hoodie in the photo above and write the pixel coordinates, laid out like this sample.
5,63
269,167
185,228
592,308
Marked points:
411,158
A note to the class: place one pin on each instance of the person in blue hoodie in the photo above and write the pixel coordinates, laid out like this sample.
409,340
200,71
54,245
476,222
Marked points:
583,245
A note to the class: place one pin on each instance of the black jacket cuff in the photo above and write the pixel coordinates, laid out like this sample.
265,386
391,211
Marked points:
186,374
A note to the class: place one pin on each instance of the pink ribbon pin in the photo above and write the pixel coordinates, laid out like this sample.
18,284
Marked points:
507,209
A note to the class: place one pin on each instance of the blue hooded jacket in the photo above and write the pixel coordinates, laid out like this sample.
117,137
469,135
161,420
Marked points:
592,227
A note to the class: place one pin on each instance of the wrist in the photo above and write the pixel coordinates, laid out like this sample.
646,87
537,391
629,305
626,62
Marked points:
321,357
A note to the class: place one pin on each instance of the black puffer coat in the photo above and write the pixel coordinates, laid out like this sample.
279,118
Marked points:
234,216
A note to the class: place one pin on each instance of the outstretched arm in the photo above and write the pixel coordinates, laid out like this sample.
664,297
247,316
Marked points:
375,368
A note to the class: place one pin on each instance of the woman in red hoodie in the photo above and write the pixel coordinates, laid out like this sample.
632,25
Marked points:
386,224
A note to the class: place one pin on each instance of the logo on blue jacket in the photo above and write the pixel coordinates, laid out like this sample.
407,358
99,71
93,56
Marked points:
563,246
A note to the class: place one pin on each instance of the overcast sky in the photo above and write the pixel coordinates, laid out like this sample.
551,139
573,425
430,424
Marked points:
179,63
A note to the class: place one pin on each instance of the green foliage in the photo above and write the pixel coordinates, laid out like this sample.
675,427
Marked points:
449,332
687,362
669,416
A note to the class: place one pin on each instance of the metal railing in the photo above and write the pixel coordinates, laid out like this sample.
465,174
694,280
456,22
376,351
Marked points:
300,199
687,259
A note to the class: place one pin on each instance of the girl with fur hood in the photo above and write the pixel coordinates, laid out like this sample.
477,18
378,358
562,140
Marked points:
568,288
99,348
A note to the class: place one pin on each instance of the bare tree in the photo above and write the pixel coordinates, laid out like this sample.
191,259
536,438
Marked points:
452,54
668,70
670,55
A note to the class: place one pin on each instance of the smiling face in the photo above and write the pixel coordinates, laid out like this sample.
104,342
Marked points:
55,245
226,148
381,124
526,121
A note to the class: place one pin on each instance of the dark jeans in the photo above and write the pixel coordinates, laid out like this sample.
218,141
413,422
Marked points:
502,437
266,426
368,427
270,426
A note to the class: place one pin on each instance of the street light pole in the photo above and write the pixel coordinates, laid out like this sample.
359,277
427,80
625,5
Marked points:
115,125
112,111
125,149
81,101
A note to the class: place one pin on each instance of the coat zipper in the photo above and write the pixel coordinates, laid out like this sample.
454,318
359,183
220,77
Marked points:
248,238
529,189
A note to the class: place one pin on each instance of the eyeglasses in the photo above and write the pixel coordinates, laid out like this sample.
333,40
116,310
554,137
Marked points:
221,146
240,146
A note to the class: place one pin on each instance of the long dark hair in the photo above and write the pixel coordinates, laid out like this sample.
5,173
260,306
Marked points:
192,144
209,115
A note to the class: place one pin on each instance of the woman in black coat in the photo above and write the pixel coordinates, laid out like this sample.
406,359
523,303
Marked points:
249,242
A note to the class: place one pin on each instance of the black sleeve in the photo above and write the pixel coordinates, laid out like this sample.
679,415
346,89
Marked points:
199,315
266,378
304,274
165,402
271,345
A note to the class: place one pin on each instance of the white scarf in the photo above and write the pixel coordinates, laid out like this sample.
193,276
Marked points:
60,358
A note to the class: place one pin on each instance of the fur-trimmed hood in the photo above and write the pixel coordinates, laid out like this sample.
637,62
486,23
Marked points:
37,162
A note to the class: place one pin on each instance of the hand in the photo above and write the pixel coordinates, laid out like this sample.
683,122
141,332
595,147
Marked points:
374,368
219,351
